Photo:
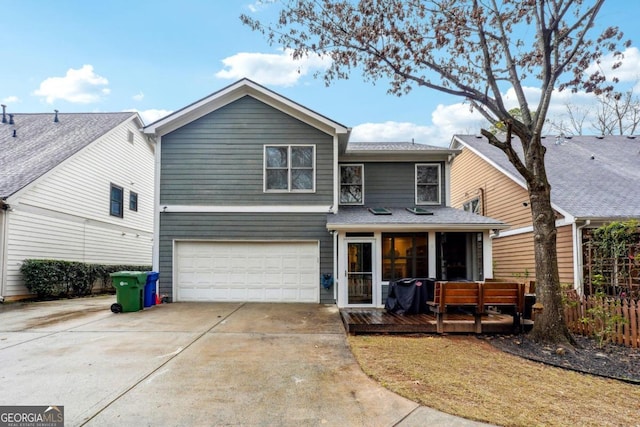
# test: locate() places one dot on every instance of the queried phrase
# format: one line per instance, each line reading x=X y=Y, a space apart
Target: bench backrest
x=457 y=293
x=503 y=294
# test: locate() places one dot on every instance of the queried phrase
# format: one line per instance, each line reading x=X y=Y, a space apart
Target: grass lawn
x=465 y=376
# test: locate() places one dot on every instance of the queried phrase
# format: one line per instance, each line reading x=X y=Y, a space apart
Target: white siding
x=65 y=214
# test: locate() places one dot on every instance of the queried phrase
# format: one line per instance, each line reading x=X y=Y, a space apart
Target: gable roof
x=591 y=177
x=41 y=144
x=236 y=91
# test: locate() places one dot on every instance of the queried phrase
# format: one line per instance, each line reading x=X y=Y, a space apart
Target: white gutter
x=335 y=265
x=3 y=247
x=155 y=256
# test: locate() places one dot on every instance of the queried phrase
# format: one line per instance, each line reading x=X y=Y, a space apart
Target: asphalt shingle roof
x=40 y=143
x=393 y=146
x=590 y=176
x=442 y=216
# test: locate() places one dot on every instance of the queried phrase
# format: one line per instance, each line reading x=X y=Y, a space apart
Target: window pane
x=351 y=174
x=427 y=193
x=351 y=194
x=116 y=201
x=428 y=174
x=133 y=201
x=302 y=157
x=276 y=157
x=421 y=268
x=301 y=179
x=277 y=179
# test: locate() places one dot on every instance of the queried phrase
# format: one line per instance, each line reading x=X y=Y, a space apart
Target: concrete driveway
x=192 y=364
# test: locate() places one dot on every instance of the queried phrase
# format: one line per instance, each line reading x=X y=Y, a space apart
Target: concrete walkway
x=192 y=364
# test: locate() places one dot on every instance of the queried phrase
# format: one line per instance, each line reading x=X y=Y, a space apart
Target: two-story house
x=261 y=199
x=73 y=187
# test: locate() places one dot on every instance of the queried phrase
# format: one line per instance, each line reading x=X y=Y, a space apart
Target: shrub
x=57 y=278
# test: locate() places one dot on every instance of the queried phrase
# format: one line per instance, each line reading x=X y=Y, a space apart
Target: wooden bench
x=503 y=294
x=456 y=294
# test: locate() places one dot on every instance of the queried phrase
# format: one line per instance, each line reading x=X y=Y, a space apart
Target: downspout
x=334 y=233
x=578 y=263
x=3 y=233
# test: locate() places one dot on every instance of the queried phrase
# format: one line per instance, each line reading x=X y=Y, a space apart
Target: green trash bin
x=129 y=290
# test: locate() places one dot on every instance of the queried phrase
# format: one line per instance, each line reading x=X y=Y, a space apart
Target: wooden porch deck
x=379 y=321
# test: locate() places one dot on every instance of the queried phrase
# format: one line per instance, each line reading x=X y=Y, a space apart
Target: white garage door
x=247 y=271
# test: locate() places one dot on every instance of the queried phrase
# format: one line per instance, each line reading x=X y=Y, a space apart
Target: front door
x=360 y=273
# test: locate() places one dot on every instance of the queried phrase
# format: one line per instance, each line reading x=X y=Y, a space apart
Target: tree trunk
x=550 y=325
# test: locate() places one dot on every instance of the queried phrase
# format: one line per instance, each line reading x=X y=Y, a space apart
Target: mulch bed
x=610 y=361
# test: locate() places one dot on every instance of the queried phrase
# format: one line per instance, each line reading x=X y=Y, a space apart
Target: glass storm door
x=360 y=273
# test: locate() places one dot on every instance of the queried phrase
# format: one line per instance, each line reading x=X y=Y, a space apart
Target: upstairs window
x=289 y=168
x=116 y=201
x=472 y=206
x=428 y=187
x=133 y=201
x=351 y=184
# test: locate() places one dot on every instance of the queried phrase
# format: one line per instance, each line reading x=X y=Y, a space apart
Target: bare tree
x=617 y=113
x=614 y=113
x=474 y=49
x=576 y=117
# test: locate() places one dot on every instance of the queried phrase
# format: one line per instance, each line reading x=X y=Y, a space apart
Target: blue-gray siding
x=393 y=184
x=218 y=159
x=245 y=227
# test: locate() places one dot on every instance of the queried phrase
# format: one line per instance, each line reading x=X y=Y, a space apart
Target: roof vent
x=55 y=118
x=599 y=136
x=15 y=133
x=380 y=211
x=631 y=136
x=419 y=211
x=11 y=119
x=4 y=113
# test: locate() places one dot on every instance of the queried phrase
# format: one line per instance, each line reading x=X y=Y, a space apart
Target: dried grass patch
x=467 y=377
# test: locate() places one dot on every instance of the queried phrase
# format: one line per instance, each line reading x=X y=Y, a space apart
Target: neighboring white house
x=75 y=187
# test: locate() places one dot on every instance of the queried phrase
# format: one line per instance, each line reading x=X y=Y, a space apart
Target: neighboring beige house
x=594 y=180
x=75 y=187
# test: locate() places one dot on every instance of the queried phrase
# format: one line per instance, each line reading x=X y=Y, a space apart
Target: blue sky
x=157 y=56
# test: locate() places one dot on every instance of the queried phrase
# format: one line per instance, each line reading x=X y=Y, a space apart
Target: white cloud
x=627 y=72
x=391 y=132
x=138 y=97
x=271 y=69
x=152 y=115
x=259 y=5
x=10 y=100
x=81 y=86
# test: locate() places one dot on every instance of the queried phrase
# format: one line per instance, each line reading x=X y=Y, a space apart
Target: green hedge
x=53 y=278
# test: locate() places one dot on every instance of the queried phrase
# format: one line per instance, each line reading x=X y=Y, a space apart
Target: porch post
x=433 y=255
x=487 y=254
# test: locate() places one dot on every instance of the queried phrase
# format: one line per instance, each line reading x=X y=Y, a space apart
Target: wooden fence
x=618 y=318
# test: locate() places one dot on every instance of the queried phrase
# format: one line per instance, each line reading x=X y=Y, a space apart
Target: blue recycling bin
x=150 y=289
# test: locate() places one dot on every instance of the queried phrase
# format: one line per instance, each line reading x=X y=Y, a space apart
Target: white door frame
x=376 y=291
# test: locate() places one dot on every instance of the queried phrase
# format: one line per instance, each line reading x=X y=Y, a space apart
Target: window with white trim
x=289 y=168
x=428 y=185
x=352 y=184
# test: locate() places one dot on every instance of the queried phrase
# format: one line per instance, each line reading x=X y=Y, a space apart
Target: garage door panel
x=247 y=271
